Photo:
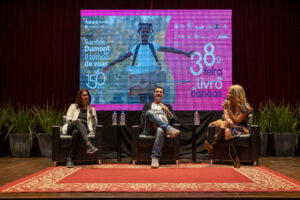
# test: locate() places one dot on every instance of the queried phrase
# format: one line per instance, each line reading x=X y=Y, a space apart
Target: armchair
x=247 y=146
x=142 y=146
x=61 y=145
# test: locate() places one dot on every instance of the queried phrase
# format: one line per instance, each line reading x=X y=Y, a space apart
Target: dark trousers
x=79 y=132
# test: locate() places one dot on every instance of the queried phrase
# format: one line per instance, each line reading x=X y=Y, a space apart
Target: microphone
x=161 y=105
x=87 y=106
x=225 y=102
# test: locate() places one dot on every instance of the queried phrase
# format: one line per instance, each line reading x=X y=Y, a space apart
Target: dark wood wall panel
x=39 y=54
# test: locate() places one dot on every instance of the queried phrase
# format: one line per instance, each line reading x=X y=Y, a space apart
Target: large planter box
x=264 y=144
x=45 y=144
x=298 y=140
x=282 y=144
x=4 y=145
x=20 y=145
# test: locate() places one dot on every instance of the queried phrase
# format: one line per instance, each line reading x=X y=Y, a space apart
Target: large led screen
x=124 y=54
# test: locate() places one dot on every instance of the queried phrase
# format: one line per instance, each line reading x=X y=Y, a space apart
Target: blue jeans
x=150 y=120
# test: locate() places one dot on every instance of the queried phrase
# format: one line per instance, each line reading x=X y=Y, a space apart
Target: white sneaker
x=155 y=163
x=172 y=132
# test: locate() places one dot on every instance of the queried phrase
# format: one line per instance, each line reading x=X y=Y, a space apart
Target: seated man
x=158 y=118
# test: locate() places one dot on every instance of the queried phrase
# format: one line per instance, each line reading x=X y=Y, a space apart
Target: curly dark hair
x=140 y=26
x=78 y=97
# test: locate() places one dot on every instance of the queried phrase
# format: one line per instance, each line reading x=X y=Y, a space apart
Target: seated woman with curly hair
x=81 y=119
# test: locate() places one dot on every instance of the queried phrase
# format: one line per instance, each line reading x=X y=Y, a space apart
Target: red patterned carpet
x=141 y=178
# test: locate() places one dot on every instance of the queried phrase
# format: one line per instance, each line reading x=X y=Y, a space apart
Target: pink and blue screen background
x=199 y=82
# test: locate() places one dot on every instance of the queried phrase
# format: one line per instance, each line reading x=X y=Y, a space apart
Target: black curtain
x=39 y=54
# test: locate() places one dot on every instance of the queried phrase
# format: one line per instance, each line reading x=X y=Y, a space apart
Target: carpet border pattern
x=264 y=180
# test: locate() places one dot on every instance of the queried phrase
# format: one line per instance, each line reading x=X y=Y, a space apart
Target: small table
x=193 y=126
x=119 y=139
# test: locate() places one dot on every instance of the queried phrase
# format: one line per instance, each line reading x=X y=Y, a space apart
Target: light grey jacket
x=72 y=114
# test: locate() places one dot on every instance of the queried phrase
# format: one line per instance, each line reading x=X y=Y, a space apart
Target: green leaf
x=47 y=116
x=277 y=117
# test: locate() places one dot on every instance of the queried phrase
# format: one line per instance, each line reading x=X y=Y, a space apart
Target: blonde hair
x=239 y=96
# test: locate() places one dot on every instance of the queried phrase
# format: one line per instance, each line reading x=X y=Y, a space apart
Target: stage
x=16 y=168
x=51 y=49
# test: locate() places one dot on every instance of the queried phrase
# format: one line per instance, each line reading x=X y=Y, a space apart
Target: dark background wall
x=39 y=54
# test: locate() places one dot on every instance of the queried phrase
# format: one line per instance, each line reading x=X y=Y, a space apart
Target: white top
x=156 y=108
x=72 y=114
x=145 y=56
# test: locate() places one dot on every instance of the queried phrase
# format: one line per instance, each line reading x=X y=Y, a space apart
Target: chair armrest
x=255 y=142
x=177 y=143
x=177 y=126
x=135 y=131
x=98 y=135
x=98 y=140
x=211 y=132
x=55 y=142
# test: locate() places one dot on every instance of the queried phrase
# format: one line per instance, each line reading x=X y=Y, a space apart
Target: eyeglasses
x=85 y=95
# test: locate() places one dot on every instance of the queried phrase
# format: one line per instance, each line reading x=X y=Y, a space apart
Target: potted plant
x=46 y=116
x=4 y=117
x=282 y=126
x=21 y=133
x=261 y=119
x=298 y=127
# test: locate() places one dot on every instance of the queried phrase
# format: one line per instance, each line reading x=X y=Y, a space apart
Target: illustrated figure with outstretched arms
x=146 y=74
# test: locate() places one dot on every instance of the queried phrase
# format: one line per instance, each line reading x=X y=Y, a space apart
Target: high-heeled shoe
x=236 y=162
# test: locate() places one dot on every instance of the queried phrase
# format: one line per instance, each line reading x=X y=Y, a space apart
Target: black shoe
x=70 y=163
x=92 y=150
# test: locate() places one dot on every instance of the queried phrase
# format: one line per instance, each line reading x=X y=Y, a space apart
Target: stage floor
x=14 y=168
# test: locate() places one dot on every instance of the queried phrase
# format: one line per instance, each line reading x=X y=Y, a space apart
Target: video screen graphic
x=124 y=54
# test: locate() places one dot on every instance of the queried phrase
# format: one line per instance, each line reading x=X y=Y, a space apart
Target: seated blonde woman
x=236 y=111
